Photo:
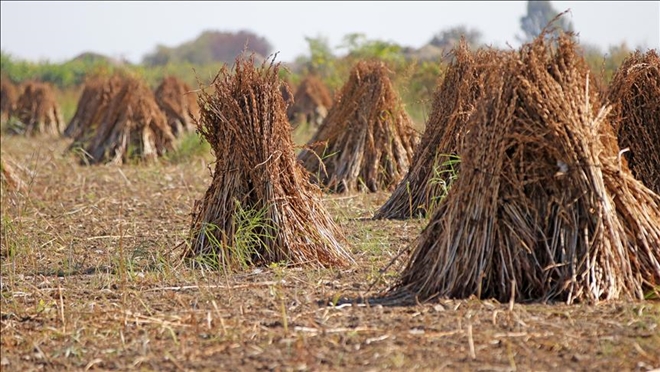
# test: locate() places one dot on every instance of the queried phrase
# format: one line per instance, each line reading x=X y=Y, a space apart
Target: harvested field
x=98 y=270
x=91 y=279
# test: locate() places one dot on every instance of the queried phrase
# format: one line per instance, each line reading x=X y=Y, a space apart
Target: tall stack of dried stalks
x=92 y=105
x=543 y=209
x=256 y=174
x=311 y=102
x=132 y=127
x=179 y=103
x=367 y=140
x=8 y=97
x=434 y=163
x=635 y=94
x=37 y=111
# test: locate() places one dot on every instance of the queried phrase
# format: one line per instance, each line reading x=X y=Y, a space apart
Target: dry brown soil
x=91 y=280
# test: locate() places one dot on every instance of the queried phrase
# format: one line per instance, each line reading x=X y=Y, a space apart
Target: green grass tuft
x=190 y=145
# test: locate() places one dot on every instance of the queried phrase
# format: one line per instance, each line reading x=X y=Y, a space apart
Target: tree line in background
x=415 y=71
x=209 y=47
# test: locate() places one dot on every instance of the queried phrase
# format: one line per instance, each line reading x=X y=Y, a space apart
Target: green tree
x=614 y=57
x=539 y=15
x=209 y=47
x=447 y=39
x=320 y=54
x=359 y=47
x=161 y=56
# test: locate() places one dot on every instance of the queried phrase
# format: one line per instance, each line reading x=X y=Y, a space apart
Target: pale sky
x=59 y=31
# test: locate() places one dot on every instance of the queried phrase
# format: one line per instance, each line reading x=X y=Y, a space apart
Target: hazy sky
x=61 y=30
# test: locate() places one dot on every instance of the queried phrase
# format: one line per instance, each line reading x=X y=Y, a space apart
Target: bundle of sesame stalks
x=310 y=102
x=179 y=103
x=9 y=94
x=635 y=96
x=37 y=111
x=92 y=105
x=260 y=207
x=366 y=143
x=435 y=163
x=131 y=128
x=543 y=209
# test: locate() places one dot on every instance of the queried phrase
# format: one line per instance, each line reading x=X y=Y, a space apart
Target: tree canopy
x=447 y=39
x=210 y=46
x=539 y=15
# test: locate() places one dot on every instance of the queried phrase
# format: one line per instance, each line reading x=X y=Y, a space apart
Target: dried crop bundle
x=367 y=141
x=544 y=209
x=179 y=103
x=92 y=105
x=435 y=163
x=635 y=94
x=37 y=111
x=132 y=127
x=260 y=206
x=8 y=97
x=311 y=102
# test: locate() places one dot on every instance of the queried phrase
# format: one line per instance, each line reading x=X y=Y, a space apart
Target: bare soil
x=91 y=279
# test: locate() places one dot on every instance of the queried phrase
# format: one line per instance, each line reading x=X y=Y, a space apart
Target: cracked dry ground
x=91 y=280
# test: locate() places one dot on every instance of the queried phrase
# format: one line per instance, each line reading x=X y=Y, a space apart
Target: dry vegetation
x=11 y=180
x=435 y=161
x=91 y=279
x=543 y=209
x=257 y=184
x=37 y=111
x=132 y=127
x=543 y=256
x=311 y=102
x=94 y=100
x=635 y=93
x=9 y=94
x=366 y=142
x=179 y=103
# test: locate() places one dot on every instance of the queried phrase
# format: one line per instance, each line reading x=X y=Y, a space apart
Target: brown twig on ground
x=10 y=178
